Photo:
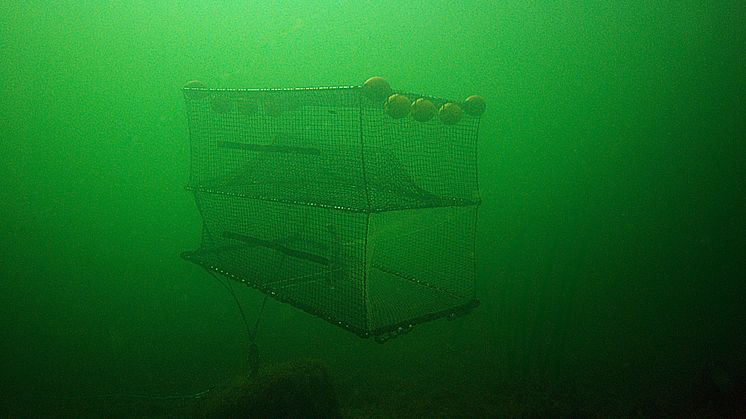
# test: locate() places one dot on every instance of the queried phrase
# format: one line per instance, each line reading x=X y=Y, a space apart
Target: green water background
x=611 y=235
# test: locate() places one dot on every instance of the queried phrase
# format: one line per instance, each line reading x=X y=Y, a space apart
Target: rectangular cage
x=320 y=199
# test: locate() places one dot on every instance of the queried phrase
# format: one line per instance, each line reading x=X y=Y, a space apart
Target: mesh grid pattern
x=321 y=200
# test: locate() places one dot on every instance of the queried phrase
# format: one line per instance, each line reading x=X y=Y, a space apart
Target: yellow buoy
x=376 y=89
x=423 y=110
x=397 y=106
x=221 y=103
x=196 y=89
x=450 y=113
x=474 y=105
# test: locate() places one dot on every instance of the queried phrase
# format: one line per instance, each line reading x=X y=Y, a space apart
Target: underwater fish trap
x=355 y=204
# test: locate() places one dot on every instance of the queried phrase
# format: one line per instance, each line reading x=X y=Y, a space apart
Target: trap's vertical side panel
x=420 y=265
x=289 y=145
x=278 y=181
x=413 y=164
x=310 y=257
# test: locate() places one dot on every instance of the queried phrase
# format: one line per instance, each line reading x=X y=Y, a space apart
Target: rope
x=238 y=304
x=253 y=353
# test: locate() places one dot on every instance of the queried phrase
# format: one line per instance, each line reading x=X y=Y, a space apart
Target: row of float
x=398 y=106
x=376 y=89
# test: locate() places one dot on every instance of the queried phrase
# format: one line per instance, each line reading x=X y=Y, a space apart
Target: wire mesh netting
x=320 y=199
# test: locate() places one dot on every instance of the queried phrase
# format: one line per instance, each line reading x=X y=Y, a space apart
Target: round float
x=474 y=105
x=397 y=106
x=196 y=89
x=422 y=110
x=376 y=89
x=449 y=113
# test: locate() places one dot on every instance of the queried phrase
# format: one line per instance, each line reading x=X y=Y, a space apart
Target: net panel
x=311 y=257
x=419 y=262
x=278 y=145
x=438 y=160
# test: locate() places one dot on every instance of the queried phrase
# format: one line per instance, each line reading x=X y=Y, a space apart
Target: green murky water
x=610 y=237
